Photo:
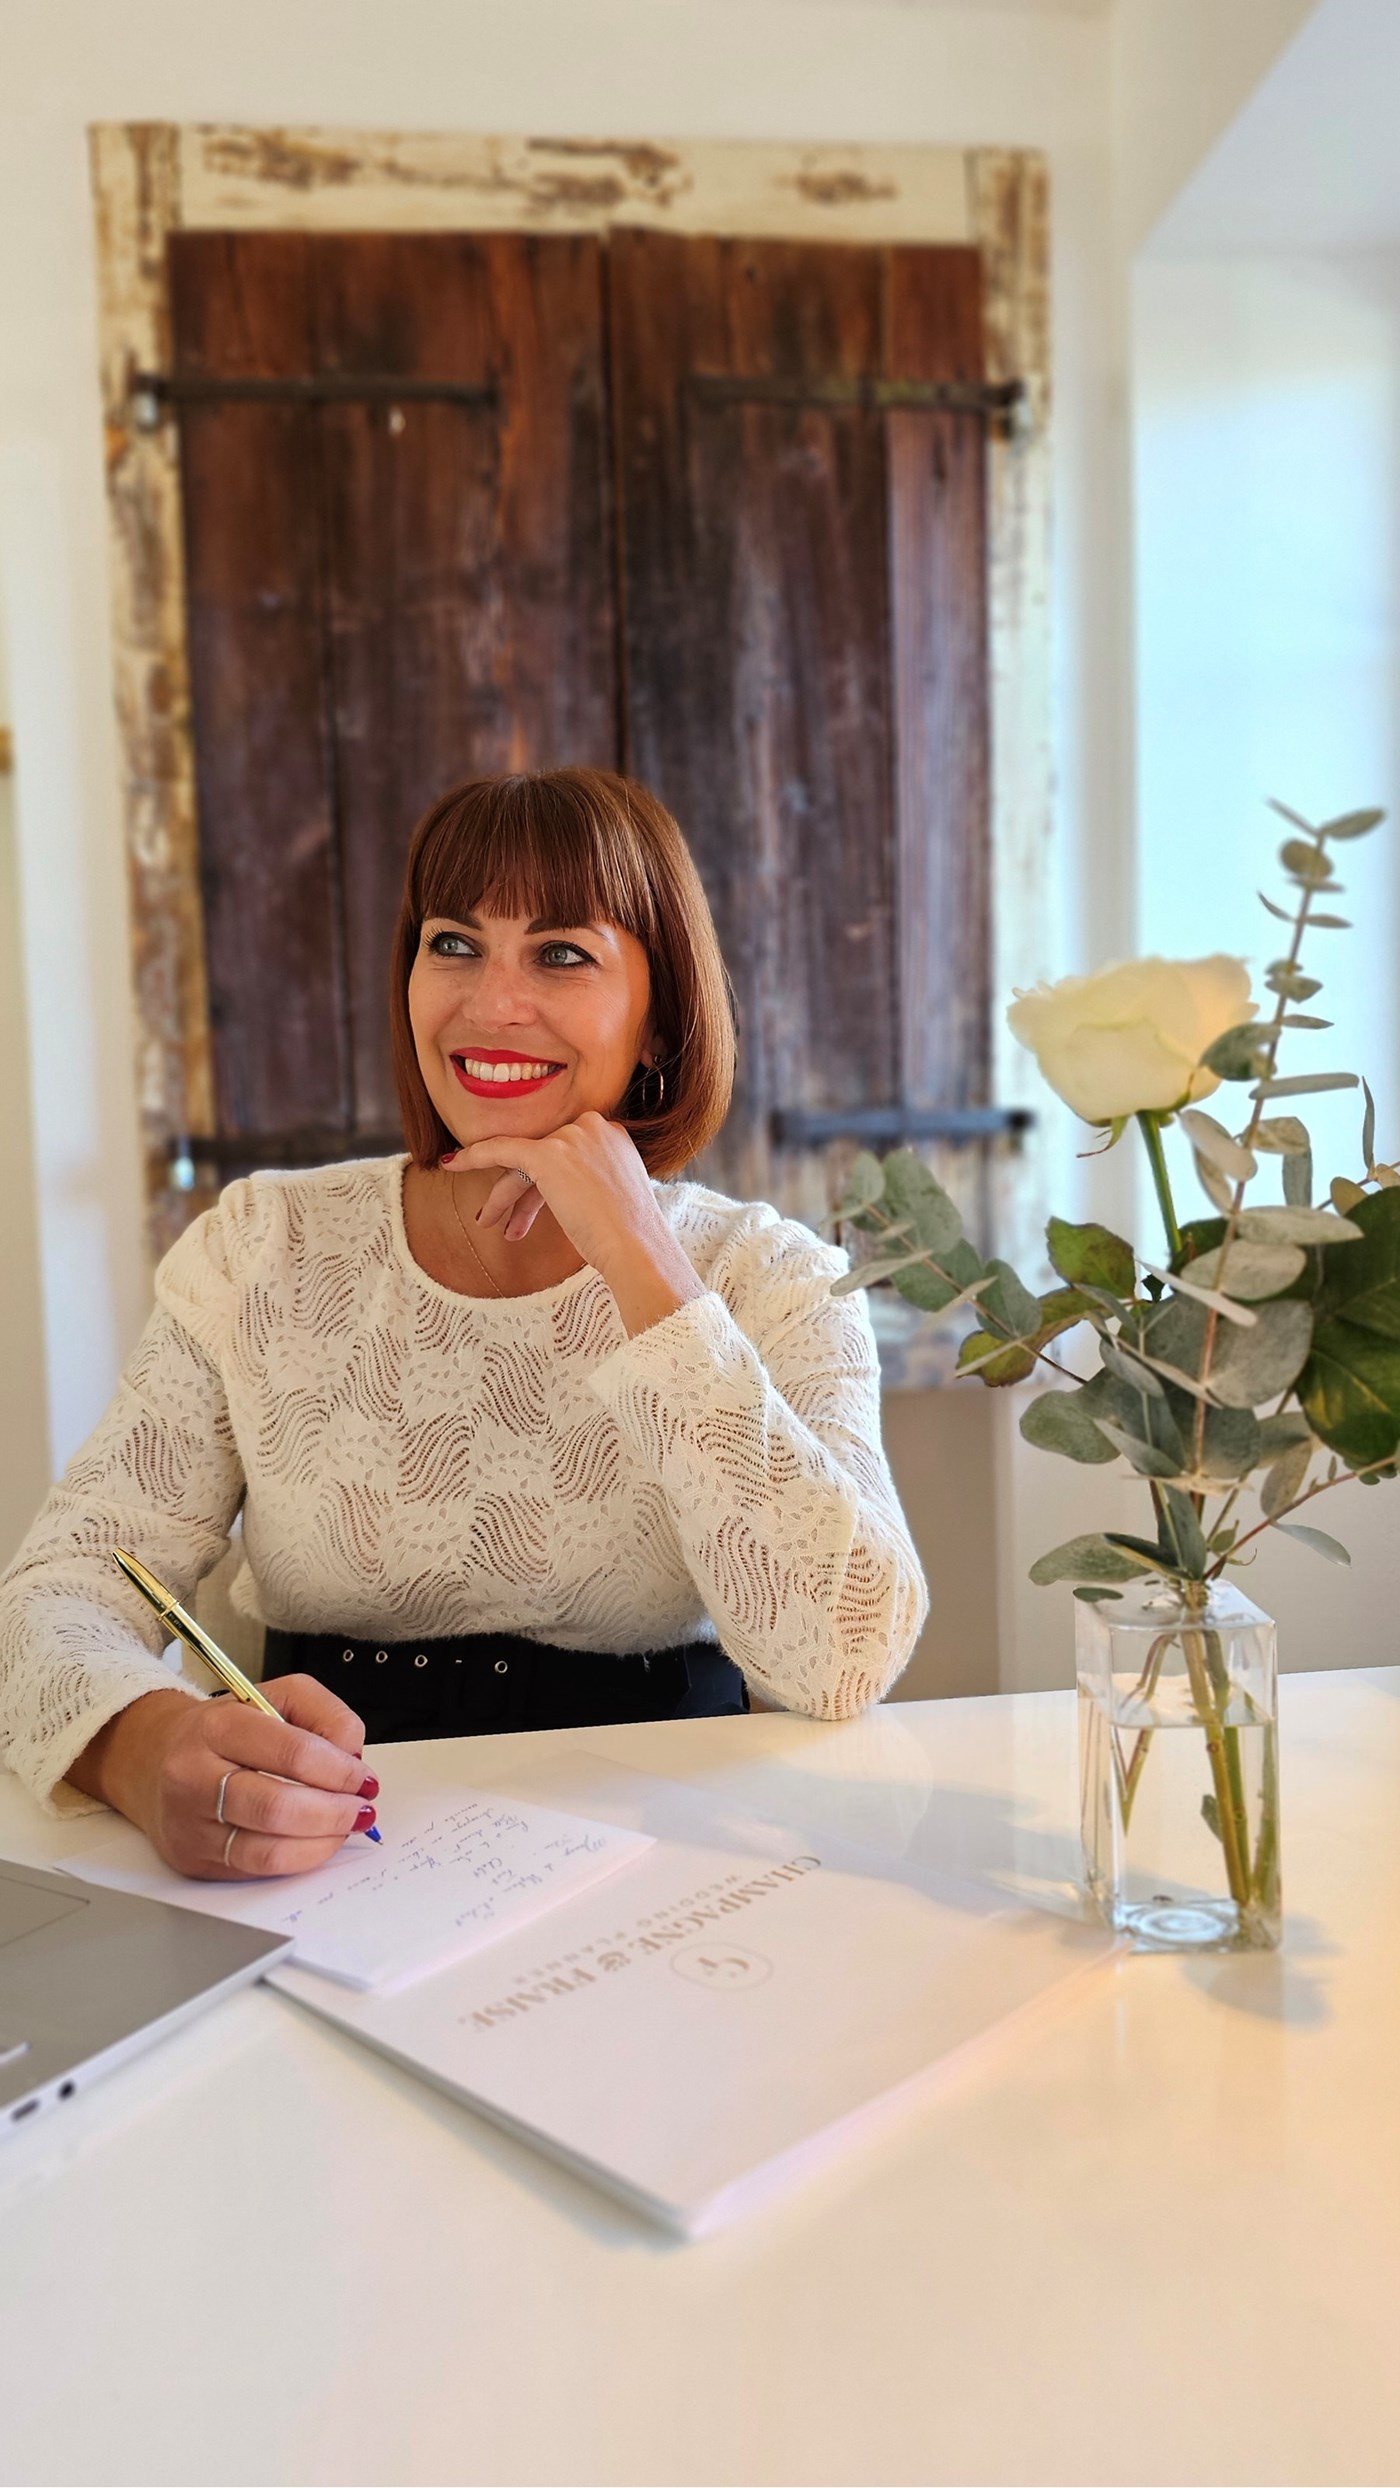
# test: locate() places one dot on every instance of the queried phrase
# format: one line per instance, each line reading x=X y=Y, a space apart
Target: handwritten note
x=449 y=1877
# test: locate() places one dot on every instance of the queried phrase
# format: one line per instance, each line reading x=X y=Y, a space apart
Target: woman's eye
x=569 y=946
x=450 y=945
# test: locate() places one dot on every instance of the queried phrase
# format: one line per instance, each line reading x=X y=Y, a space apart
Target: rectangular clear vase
x=1178 y=1752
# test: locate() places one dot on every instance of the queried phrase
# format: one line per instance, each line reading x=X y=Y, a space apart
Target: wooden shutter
x=805 y=656
x=671 y=503
x=398 y=576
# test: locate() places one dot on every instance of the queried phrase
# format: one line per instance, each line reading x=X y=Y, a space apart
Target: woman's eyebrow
x=537 y=924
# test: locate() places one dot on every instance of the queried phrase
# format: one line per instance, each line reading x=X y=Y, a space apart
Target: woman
x=523 y=1434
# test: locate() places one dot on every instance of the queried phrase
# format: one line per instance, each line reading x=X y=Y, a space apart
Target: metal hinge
x=1004 y=405
x=794 y=1128
x=154 y=395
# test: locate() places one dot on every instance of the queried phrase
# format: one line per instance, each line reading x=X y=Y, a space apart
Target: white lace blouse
x=412 y=1462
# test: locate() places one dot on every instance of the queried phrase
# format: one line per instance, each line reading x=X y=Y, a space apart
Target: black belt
x=491 y=1684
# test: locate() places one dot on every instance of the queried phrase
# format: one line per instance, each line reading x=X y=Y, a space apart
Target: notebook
x=455 y=1869
x=746 y=2001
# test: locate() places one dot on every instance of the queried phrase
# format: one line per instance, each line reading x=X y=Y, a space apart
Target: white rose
x=1129 y=1040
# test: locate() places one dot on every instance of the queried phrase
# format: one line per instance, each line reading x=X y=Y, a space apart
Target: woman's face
x=522 y=1025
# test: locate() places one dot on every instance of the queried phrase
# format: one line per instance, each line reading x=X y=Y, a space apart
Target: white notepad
x=455 y=1869
x=743 y=2003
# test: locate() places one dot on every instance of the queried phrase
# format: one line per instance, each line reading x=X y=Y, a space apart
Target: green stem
x=1151 y=1125
x=1236 y=1864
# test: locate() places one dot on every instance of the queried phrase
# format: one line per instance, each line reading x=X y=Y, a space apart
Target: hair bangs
x=534 y=847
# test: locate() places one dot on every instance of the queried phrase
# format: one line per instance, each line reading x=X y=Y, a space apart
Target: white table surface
x=1159 y=2242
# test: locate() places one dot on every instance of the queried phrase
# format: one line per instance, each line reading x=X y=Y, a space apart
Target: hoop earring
x=644 y=1102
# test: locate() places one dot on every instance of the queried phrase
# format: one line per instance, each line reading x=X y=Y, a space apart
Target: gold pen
x=194 y=1637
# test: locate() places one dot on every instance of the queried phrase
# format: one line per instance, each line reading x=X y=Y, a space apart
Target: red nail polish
x=369 y=1786
x=364 y=1818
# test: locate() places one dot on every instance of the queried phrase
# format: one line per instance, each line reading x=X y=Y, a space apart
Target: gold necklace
x=466 y=1239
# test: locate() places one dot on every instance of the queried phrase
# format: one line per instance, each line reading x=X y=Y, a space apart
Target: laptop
x=89 y=1977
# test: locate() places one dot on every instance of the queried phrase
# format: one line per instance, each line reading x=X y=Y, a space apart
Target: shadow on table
x=1281 y=1986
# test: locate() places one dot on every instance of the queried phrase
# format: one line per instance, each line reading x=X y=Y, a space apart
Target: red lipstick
x=501 y=1088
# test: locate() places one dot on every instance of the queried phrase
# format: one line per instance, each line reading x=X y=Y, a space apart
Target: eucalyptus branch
x=1343 y=1477
x=1271 y=1033
x=986 y=1316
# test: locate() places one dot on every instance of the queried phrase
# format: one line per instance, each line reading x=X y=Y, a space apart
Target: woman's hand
x=161 y=1760
x=590 y=1176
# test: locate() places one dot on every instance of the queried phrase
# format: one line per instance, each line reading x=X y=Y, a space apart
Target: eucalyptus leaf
x=1279 y=1433
x=1086 y=1559
x=1283 y=1483
x=1305 y=862
x=1368 y=1128
x=1091 y=1253
x=1345 y=1194
x=1281 y=912
x=1351 y=825
x=913 y=1192
x=1214 y=1185
x=993 y=1361
x=1298 y=1179
x=868 y=1273
x=932 y=1285
x=1296 y=1226
x=1350 y=1386
x=1285 y=814
x=1183 y=1530
x=1144 y=1457
x=1331 y=1549
x=1283 y=1135
x=1194 y=1286
x=1058 y=1421
x=1241 y=1053
x=1305 y=1084
x=1210 y=1813
x=1230 y=1442
x=1009 y=1304
x=1329 y=924
x=1210 y=1140
x=1251 y=1270
x=865 y=1185
x=1132 y=1370
x=1093 y=1597
x=1253 y=1365
x=1303 y=1019
x=1290 y=983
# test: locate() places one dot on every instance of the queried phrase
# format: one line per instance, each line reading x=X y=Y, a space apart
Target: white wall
x=24 y=1447
x=1268 y=497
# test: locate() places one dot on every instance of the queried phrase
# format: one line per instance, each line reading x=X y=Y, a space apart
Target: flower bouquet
x=1245 y=1371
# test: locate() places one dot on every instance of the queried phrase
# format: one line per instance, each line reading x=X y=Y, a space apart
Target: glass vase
x=1178 y=1755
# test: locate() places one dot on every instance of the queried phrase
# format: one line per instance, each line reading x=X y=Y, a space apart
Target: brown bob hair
x=582 y=847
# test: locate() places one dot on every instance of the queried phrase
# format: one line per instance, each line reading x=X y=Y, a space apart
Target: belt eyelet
x=347 y=1656
x=421 y=1659
x=379 y=1657
x=502 y=1666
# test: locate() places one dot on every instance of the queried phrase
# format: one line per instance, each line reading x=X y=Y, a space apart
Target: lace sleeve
x=766 y=1439
x=160 y=1475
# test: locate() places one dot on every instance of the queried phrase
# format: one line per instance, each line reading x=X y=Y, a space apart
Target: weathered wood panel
x=242 y=308
x=136 y=186
x=467 y=551
x=757 y=654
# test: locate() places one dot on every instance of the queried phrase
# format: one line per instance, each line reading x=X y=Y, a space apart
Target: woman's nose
x=500 y=997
